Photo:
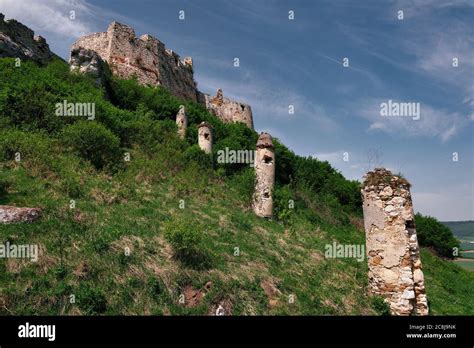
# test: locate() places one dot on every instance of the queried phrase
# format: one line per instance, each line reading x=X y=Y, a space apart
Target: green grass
x=448 y=286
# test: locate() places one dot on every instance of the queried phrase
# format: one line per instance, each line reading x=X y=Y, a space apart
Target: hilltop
x=136 y=220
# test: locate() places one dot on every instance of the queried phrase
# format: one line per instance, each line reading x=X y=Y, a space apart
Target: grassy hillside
x=170 y=223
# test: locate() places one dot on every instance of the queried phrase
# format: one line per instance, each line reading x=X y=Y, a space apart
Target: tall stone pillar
x=182 y=122
x=395 y=270
x=205 y=137
x=265 y=176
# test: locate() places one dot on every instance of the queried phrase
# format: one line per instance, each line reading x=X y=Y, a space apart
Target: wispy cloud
x=432 y=122
x=267 y=102
x=52 y=16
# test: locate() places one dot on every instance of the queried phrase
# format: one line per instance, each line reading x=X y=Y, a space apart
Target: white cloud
x=51 y=16
x=432 y=122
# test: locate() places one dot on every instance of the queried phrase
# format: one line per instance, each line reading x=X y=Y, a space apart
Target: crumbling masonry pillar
x=265 y=176
x=182 y=122
x=395 y=270
x=205 y=137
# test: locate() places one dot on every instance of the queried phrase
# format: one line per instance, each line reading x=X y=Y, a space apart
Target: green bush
x=432 y=233
x=283 y=202
x=30 y=146
x=196 y=155
x=186 y=239
x=93 y=142
x=4 y=185
x=380 y=306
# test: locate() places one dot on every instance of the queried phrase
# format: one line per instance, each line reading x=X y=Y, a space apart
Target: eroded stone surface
x=205 y=137
x=144 y=57
x=264 y=176
x=395 y=269
x=227 y=110
x=87 y=62
x=9 y=214
x=18 y=41
x=182 y=122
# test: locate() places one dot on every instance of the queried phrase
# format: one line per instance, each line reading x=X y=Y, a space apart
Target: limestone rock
x=9 y=214
x=18 y=41
x=87 y=62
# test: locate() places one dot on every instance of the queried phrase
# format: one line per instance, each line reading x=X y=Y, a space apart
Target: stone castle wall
x=145 y=57
x=395 y=270
x=227 y=110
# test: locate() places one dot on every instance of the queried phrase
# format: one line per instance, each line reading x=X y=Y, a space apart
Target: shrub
x=186 y=239
x=380 y=306
x=432 y=233
x=282 y=198
x=196 y=155
x=4 y=185
x=29 y=145
x=93 y=142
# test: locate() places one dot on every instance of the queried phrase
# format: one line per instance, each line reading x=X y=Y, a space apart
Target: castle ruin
x=147 y=59
x=205 y=137
x=265 y=176
x=395 y=270
x=227 y=110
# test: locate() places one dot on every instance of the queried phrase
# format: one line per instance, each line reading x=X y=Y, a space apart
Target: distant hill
x=461 y=229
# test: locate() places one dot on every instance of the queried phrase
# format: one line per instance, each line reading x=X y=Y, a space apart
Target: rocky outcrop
x=227 y=110
x=88 y=62
x=9 y=214
x=395 y=270
x=18 y=41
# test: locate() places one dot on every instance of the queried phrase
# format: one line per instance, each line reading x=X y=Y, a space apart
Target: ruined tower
x=205 y=137
x=395 y=270
x=227 y=110
x=182 y=122
x=265 y=176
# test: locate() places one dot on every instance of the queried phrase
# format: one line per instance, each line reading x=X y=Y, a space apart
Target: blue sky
x=299 y=62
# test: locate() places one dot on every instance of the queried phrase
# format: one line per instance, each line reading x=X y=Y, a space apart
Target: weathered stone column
x=205 y=137
x=182 y=122
x=395 y=270
x=265 y=176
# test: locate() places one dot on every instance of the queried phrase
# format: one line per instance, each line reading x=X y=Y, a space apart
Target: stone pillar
x=395 y=270
x=265 y=176
x=182 y=122
x=205 y=137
